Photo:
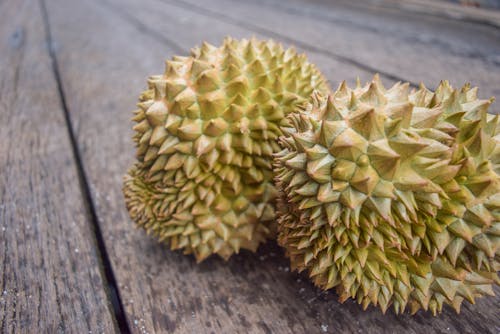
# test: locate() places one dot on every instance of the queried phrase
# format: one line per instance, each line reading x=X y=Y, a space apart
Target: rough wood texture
x=105 y=50
x=485 y=14
x=51 y=280
x=402 y=46
x=159 y=19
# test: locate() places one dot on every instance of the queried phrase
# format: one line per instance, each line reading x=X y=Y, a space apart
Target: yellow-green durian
x=393 y=197
x=206 y=131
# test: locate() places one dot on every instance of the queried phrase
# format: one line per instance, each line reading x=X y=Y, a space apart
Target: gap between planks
x=109 y=276
x=264 y=31
x=323 y=17
x=307 y=46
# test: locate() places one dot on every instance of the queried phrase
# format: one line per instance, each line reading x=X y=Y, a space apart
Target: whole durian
x=393 y=197
x=206 y=131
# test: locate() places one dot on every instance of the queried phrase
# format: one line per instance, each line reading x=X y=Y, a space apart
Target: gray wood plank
x=405 y=46
x=483 y=14
x=182 y=29
x=117 y=45
x=51 y=280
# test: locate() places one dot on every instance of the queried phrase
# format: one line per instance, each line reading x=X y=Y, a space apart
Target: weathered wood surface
x=400 y=45
x=483 y=13
x=51 y=280
x=106 y=49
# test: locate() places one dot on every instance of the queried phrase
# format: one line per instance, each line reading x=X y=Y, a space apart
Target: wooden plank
x=51 y=280
x=448 y=9
x=405 y=46
x=161 y=19
x=164 y=291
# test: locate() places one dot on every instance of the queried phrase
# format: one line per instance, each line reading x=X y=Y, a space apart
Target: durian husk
x=392 y=197
x=205 y=134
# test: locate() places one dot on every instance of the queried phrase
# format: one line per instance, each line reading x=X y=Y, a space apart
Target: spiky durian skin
x=206 y=132
x=392 y=197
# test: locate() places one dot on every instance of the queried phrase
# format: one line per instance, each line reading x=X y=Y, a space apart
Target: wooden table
x=70 y=72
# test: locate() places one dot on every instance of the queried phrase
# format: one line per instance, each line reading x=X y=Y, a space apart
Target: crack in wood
x=273 y=34
x=109 y=277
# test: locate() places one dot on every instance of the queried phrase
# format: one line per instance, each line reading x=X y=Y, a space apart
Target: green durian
x=206 y=131
x=393 y=197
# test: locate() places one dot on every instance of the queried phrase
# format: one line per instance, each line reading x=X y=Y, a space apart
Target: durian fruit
x=393 y=197
x=206 y=131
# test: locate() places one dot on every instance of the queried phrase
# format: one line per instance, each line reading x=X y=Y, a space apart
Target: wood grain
x=105 y=52
x=160 y=19
x=485 y=14
x=51 y=280
x=404 y=46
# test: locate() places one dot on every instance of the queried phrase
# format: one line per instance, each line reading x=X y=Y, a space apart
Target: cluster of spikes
x=206 y=132
x=392 y=196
